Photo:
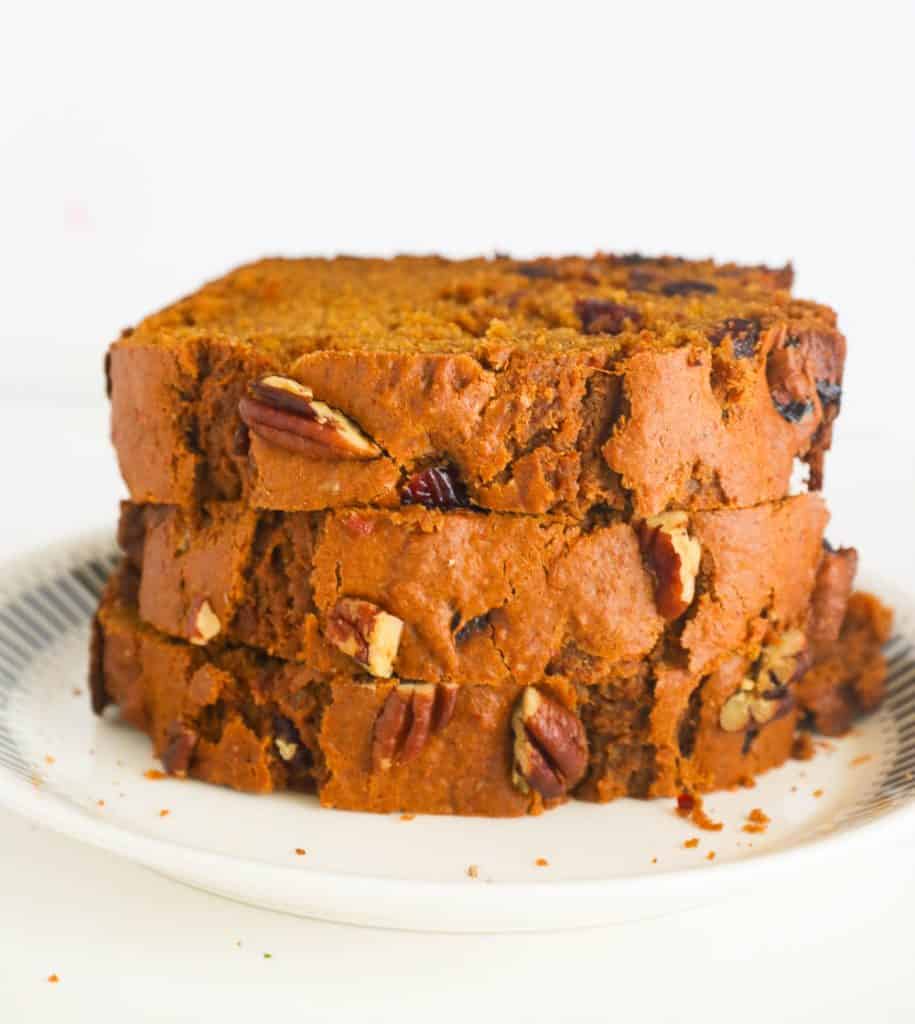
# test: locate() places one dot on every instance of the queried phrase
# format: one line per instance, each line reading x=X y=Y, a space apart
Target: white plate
x=84 y=777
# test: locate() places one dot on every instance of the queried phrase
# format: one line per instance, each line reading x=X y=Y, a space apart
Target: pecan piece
x=764 y=695
x=674 y=558
x=203 y=623
x=365 y=632
x=286 y=413
x=834 y=580
x=411 y=713
x=289 y=744
x=181 y=742
x=550 y=747
x=435 y=487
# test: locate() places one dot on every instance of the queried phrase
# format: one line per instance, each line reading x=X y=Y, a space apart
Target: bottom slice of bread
x=237 y=717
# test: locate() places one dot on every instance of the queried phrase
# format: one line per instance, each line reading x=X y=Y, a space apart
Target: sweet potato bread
x=242 y=719
x=473 y=597
x=551 y=386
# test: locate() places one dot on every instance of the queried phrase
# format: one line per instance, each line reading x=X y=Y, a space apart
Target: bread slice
x=463 y=597
x=549 y=386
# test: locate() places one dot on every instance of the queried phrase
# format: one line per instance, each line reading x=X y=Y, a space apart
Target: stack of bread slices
x=478 y=537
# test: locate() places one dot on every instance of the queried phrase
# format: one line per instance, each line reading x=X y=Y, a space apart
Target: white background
x=146 y=148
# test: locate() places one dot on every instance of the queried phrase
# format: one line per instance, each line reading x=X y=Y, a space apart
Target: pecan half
x=203 y=622
x=550 y=747
x=286 y=413
x=365 y=632
x=764 y=694
x=411 y=714
x=674 y=558
x=181 y=742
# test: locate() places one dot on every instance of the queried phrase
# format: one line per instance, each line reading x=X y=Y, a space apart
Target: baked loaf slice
x=552 y=386
x=243 y=719
x=464 y=597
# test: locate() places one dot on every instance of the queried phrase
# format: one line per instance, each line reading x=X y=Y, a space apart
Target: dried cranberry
x=471 y=627
x=829 y=393
x=603 y=316
x=793 y=411
x=688 y=287
x=537 y=271
x=685 y=803
x=435 y=487
x=641 y=280
x=744 y=335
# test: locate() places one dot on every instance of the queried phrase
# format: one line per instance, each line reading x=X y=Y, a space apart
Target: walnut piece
x=763 y=694
x=286 y=413
x=674 y=559
x=204 y=623
x=365 y=632
x=411 y=714
x=550 y=747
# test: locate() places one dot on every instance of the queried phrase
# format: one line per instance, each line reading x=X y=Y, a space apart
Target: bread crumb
x=53 y=979
x=710 y=855
x=818 y=793
x=690 y=844
x=542 y=862
x=473 y=871
x=654 y=860
x=802 y=748
x=101 y=803
x=825 y=745
x=77 y=692
x=153 y=774
x=48 y=759
x=691 y=806
x=407 y=817
x=164 y=812
x=757 y=821
x=862 y=759
x=299 y=852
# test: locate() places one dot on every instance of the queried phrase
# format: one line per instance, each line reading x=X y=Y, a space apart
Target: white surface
x=581 y=865
x=139 y=155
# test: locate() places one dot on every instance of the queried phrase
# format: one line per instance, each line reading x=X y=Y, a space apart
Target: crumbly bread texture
x=542 y=386
x=237 y=717
x=477 y=598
